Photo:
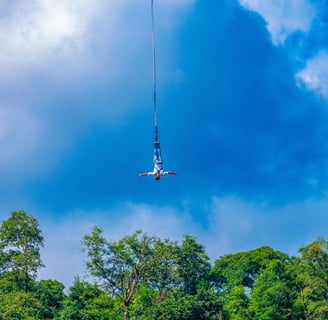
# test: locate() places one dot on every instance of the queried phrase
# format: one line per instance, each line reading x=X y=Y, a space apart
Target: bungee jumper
x=158 y=171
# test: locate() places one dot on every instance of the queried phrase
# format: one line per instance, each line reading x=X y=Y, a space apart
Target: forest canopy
x=142 y=276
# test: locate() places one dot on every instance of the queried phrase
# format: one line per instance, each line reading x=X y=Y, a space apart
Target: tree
x=235 y=276
x=19 y=306
x=20 y=243
x=178 y=305
x=161 y=269
x=242 y=268
x=176 y=283
x=192 y=264
x=274 y=294
x=313 y=279
x=119 y=266
x=50 y=294
x=236 y=303
x=87 y=301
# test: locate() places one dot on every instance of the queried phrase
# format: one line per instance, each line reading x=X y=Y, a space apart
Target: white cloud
x=36 y=32
x=283 y=17
x=41 y=33
x=79 y=44
x=315 y=74
x=52 y=41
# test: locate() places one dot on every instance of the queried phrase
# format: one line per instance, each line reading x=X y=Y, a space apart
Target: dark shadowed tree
x=50 y=294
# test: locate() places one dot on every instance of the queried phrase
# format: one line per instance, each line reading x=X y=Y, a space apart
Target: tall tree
x=120 y=266
x=193 y=264
x=161 y=270
x=313 y=279
x=21 y=240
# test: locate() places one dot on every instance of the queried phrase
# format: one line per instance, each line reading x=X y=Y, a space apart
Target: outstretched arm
x=168 y=172
x=145 y=174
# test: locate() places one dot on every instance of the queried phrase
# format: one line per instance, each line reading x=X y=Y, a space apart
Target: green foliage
x=16 y=280
x=254 y=284
x=138 y=261
x=50 y=293
x=19 y=305
x=178 y=306
x=87 y=301
x=242 y=268
x=313 y=279
x=145 y=278
x=192 y=264
x=119 y=266
x=236 y=303
x=161 y=269
x=21 y=297
x=272 y=295
x=20 y=243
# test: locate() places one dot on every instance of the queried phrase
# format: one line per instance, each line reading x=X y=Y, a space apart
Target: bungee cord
x=154 y=69
x=158 y=171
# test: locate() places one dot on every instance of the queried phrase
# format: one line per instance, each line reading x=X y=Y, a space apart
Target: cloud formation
x=300 y=27
x=283 y=17
x=38 y=34
x=315 y=74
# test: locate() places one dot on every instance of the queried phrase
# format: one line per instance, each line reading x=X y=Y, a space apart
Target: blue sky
x=242 y=111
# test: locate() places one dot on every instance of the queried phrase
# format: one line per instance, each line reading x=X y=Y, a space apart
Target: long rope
x=154 y=70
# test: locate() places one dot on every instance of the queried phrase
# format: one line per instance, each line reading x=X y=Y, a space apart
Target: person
x=158 y=171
